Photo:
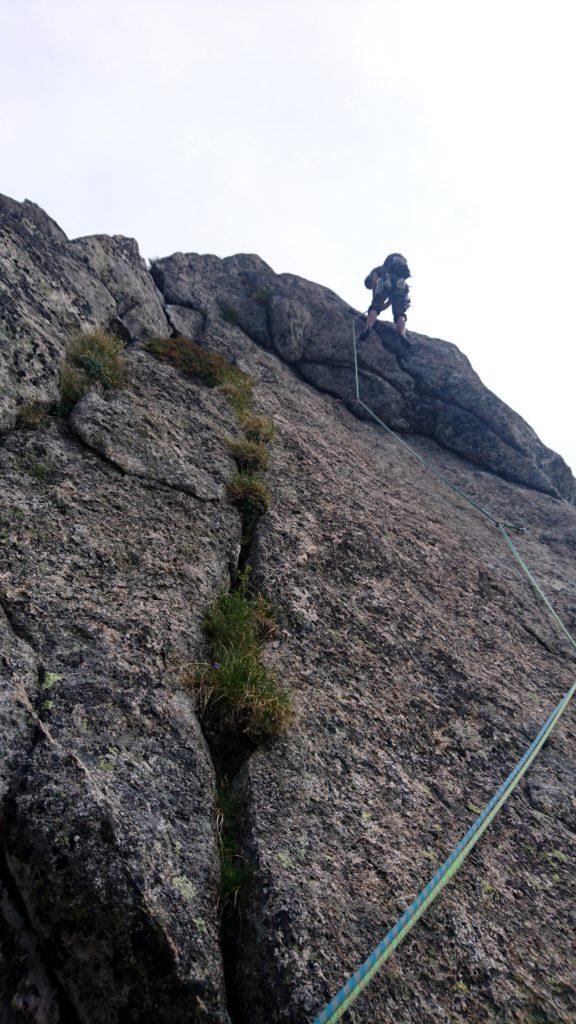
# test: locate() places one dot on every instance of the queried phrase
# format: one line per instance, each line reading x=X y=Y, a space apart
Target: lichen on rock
x=418 y=660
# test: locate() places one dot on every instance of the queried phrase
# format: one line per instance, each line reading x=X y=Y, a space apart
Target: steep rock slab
x=426 y=387
x=51 y=287
x=109 y=830
x=422 y=667
x=158 y=429
x=416 y=684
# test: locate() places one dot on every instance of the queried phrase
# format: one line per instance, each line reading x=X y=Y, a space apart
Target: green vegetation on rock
x=92 y=357
x=100 y=356
x=31 y=416
x=259 y=429
x=234 y=869
x=210 y=368
x=236 y=689
x=250 y=456
x=73 y=384
x=252 y=498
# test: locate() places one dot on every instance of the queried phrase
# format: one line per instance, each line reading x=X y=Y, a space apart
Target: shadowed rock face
x=419 y=662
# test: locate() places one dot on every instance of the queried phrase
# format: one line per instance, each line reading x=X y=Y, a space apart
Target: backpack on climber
x=389 y=287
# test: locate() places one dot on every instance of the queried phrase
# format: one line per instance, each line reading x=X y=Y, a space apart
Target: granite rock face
x=423 y=668
x=425 y=386
x=51 y=287
x=112 y=548
x=418 y=658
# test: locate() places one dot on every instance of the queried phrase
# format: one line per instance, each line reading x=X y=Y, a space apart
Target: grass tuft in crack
x=258 y=429
x=252 y=499
x=92 y=357
x=249 y=494
x=250 y=456
x=236 y=690
x=234 y=869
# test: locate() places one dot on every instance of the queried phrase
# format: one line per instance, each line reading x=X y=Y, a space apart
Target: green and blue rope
x=361 y=978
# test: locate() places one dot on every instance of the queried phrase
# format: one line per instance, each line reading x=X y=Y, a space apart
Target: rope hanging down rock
x=361 y=977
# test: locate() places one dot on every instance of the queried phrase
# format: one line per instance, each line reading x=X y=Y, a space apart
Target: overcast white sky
x=323 y=135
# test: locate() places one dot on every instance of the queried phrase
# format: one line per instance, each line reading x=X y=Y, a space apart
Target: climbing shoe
x=365 y=334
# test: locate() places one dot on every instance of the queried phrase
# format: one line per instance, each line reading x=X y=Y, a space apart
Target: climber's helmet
x=396 y=264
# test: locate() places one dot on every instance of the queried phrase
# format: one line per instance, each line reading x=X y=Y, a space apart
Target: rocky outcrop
x=425 y=387
x=419 y=663
x=50 y=287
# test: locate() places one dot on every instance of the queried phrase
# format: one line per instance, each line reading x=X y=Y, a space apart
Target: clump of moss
x=31 y=416
x=92 y=357
x=259 y=429
x=236 y=688
x=210 y=368
x=250 y=456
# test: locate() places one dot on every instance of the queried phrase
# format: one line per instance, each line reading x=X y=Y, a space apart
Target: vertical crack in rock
x=230 y=749
x=229 y=752
x=123 y=935
x=408 y=710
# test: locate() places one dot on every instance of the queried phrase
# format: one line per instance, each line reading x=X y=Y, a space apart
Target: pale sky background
x=322 y=136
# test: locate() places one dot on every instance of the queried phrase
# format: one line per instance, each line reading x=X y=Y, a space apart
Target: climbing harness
x=360 y=979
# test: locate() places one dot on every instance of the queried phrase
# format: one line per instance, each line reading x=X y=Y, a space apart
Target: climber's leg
x=400 y=324
x=372 y=316
x=400 y=303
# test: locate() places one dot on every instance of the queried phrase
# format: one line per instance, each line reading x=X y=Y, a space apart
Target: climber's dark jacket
x=386 y=285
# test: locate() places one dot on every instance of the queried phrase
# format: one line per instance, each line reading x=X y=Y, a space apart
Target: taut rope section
x=360 y=979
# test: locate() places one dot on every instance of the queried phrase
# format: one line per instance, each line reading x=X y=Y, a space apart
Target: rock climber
x=389 y=287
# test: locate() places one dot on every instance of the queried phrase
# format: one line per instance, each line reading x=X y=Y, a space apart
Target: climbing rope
x=420 y=458
x=361 y=978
